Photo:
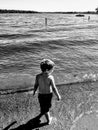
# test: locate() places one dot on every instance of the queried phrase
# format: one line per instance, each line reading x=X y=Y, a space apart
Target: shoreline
x=29 y=87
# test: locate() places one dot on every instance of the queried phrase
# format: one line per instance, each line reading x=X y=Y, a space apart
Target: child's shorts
x=45 y=102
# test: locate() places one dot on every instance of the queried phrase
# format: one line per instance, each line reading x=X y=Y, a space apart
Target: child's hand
x=59 y=98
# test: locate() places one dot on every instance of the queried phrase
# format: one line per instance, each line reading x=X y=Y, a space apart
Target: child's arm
x=55 y=90
x=35 y=85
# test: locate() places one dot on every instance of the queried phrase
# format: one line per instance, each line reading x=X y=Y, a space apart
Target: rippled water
x=70 y=41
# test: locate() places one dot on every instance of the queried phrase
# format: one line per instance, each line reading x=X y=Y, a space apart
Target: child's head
x=46 y=65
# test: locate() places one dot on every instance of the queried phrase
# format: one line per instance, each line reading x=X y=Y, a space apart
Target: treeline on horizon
x=30 y=11
x=16 y=11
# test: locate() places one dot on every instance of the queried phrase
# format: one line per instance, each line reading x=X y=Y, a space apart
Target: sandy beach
x=77 y=109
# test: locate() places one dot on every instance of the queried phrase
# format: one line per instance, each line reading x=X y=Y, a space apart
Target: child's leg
x=48 y=117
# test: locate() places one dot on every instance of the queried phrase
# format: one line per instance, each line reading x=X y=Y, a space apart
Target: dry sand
x=77 y=109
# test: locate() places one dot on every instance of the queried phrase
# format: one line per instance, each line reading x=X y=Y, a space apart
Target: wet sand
x=79 y=103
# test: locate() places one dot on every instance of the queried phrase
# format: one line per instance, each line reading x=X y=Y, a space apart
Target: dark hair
x=46 y=65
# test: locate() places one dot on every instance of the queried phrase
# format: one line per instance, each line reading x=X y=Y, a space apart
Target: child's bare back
x=44 y=81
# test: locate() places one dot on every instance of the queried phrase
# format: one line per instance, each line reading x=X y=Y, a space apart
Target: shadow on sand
x=30 y=125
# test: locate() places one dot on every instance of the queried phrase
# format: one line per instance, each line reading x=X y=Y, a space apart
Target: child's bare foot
x=49 y=121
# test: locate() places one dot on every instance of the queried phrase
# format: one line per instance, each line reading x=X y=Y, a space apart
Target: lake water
x=70 y=41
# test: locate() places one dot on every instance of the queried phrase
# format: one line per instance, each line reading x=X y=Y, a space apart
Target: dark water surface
x=71 y=42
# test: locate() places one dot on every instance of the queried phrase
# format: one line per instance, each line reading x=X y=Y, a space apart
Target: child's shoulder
x=38 y=75
x=42 y=75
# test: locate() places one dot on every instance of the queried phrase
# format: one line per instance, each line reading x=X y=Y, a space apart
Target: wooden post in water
x=88 y=18
x=45 y=22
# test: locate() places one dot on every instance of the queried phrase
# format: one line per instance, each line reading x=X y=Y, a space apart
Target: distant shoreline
x=30 y=11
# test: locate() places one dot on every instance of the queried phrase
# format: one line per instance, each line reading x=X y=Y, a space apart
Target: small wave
x=83 y=79
x=12 y=91
x=7 y=50
x=15 y=83
x=16 y=36
x=68 y=43
x=51 y=29
x=40 y=46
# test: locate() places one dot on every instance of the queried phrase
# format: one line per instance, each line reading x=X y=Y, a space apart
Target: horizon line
x=33 y=11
